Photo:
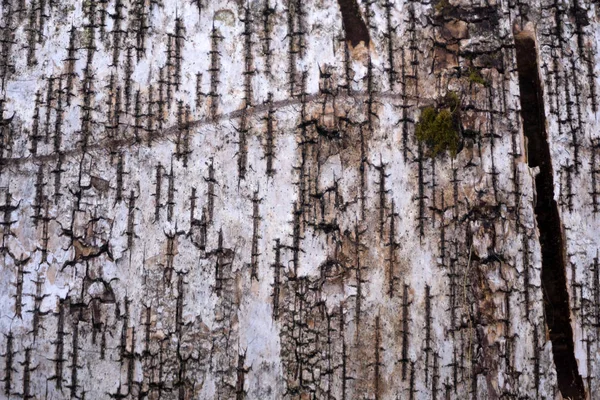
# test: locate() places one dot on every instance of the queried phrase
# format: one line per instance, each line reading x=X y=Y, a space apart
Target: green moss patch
x=475 y=77
x=438 y=127
x=441 y=6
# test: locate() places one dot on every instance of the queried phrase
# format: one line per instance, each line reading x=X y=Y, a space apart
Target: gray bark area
x=226 y=199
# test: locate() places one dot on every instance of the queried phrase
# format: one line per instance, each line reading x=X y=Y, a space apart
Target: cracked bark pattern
x=225 y=199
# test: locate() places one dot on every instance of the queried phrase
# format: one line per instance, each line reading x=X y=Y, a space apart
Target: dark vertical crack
x=556 y=296
x=354 y=26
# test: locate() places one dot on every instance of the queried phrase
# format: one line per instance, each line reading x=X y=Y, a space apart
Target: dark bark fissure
x=554 y=285
x=354 y=26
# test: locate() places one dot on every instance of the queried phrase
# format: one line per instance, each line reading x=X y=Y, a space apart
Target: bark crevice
x=554 y=281
x=354 y=26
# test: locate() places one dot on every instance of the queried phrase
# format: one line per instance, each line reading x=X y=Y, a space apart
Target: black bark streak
x=256 y=218
x=405 y=331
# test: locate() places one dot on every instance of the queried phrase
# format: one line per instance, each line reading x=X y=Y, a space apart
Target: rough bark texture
x=226 y=199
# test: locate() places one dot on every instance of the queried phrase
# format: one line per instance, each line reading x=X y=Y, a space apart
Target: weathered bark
x=218 y=199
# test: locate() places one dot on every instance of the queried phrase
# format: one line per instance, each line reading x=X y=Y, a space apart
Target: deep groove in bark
x=554 y=285
x=354 y=26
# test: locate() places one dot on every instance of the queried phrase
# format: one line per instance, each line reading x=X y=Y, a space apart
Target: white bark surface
x=149 y=251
